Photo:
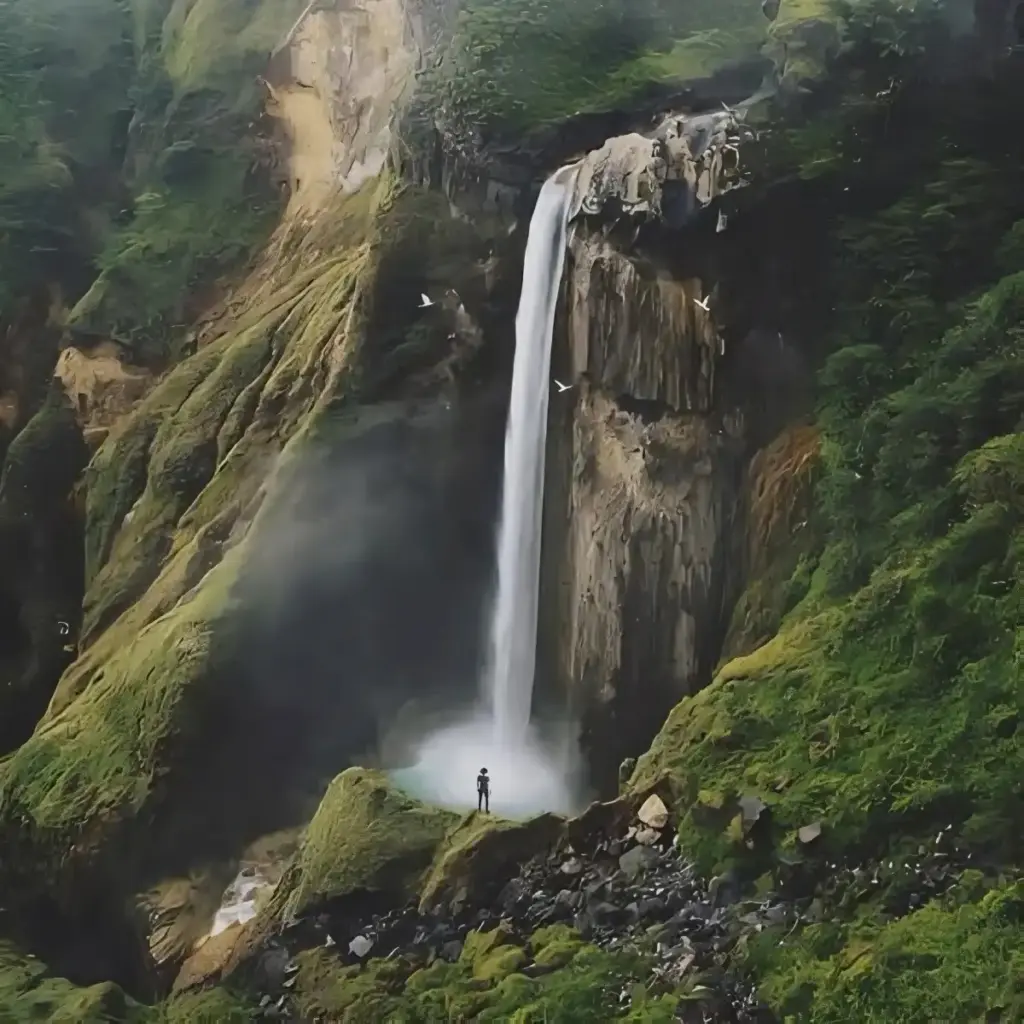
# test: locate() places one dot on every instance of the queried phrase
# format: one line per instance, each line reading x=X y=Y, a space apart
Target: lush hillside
x=872 y=682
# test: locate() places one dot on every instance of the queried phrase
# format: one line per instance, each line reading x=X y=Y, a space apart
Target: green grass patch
x=961 y=958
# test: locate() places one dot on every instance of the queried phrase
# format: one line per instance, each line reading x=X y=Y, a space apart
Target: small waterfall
x=513 y=642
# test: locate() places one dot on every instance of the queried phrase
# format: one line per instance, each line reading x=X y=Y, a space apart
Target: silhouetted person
x=483 y=792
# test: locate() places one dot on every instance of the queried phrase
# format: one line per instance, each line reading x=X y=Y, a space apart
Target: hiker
x=483 y=792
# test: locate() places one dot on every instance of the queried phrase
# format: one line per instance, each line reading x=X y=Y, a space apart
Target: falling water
x=529 y=773
x=513 y=649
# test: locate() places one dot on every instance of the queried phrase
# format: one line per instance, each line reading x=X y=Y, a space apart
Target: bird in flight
x=562 y=387
x=426 y=302
x=703 y=303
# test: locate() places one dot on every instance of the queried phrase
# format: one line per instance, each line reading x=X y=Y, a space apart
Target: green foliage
x=178 y=241
x=899 y=652
x=30 y=993
x=517 y=64
x=154 y=216
x=201 y=197
x=902 y=658
x=484 y=985
x=959 y=958
x=51 y=56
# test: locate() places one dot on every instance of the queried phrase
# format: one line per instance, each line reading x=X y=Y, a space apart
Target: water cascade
x=509 y=679
x=527 y=775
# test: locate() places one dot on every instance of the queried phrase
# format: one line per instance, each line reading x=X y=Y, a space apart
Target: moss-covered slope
x=31 y=993
x=366 y=838
x=874 y=680
x=568 y=981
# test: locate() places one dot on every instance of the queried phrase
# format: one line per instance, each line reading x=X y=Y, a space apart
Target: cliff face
x=252 y=510
x=338 y=83
x=286 y=528
x=647 y=455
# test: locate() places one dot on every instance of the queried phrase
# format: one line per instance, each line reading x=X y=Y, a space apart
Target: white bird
x=563 y=387
x=703 y=303
x=426 y=302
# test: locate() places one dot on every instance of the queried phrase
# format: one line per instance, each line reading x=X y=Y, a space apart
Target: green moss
x=500 y=964
x=365 y=837
x=86 y=776
x=483 y=986
x=28 y=992
x=355 y=995
x=480 y=849
x=525 y=63
x=217 y=1006
x=206 y=41
x=959 y=958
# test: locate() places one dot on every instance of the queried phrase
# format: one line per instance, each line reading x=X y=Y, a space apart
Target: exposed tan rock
x=653 y=813
x=337 y=85
x=701 y=152
x=649 y=507
x=208 y=960
x=178 y=912
x=100 y=386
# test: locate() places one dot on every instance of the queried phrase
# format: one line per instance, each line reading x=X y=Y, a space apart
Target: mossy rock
x=367 y=837
x=804 y=37
x=481 y=854
x=84 y=783
x=485 y=986
x=556 y=945
x=28 y=992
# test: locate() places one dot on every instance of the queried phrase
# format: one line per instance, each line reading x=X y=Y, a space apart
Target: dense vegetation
x=140 y=199
x=517 y=64
x=887 y=704
x=886 y=701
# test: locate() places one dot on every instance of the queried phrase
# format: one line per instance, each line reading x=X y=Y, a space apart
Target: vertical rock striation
x=646 y=459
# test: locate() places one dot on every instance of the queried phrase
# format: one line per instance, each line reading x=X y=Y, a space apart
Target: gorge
x=286 y=557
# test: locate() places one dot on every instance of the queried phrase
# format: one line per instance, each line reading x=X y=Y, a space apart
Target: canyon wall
x=646 y=452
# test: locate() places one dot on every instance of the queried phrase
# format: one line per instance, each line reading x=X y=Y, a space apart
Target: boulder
x=635 y=862
x=641 y=174
x=653 y=813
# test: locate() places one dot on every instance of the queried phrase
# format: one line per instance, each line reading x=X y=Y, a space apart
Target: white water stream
x=513 y=651
x=527 y=774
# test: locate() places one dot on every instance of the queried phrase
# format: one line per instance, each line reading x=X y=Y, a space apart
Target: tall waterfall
x=513 y=642
x=529 y=772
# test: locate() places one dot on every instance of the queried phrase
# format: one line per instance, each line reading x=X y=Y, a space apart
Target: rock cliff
x=249 y=486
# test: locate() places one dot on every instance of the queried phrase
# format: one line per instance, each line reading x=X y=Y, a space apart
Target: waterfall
x=513 y=641
x=529 y=773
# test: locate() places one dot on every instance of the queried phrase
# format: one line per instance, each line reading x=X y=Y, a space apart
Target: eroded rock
x=698 y=154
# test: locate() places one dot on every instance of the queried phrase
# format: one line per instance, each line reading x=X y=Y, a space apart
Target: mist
x=365 y=589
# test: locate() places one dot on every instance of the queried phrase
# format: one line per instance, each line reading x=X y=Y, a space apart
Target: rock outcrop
x=646 y=460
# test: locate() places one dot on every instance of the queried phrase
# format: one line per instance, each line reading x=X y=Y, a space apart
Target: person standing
x=483 y=792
